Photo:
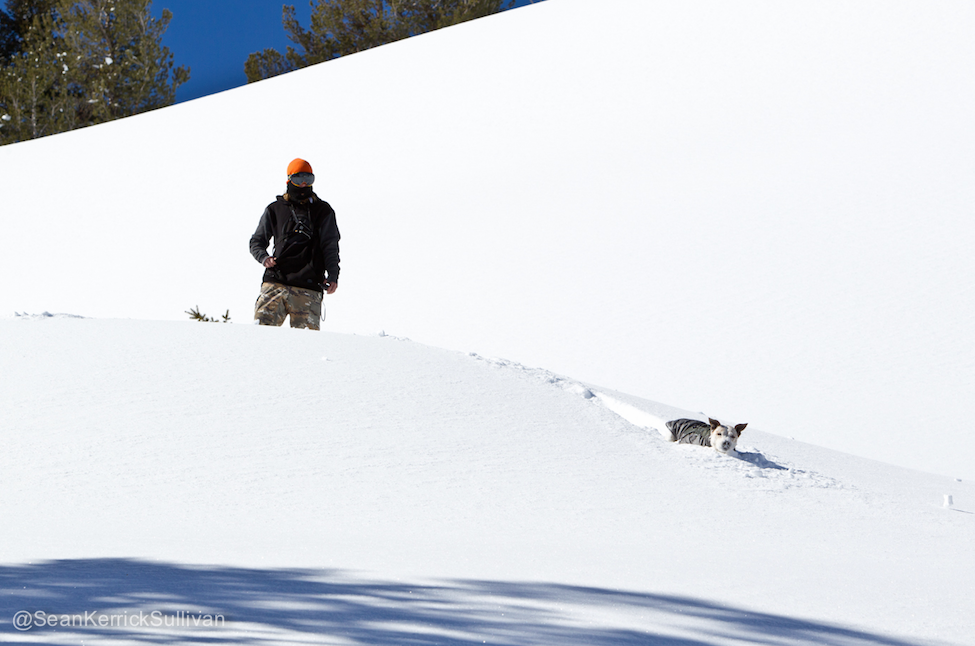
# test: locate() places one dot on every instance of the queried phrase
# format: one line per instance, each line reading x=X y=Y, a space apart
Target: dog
x=718 y=436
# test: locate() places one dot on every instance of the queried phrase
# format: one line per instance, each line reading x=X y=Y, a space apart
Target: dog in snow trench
x=718 y=436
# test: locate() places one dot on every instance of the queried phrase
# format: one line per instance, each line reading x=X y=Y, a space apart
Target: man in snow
x=305 y=262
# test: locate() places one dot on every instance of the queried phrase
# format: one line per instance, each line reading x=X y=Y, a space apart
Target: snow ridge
x=761 y=472
x=44 y=315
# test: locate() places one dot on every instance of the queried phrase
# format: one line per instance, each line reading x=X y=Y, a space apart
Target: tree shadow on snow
x=328 y=606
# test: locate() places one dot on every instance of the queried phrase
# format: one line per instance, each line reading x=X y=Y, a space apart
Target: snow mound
x=44 y=315
x=652 y=416
x=761 y=209
x=223 y=453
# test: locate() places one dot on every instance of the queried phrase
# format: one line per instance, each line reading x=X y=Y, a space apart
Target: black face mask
x=299 y=193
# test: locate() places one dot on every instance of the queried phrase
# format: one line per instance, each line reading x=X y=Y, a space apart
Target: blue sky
x=214 y=37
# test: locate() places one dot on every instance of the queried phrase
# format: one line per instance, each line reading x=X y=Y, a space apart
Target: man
x=305 y=261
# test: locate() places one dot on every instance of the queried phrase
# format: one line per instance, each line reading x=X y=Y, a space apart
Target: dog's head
x=724 y=439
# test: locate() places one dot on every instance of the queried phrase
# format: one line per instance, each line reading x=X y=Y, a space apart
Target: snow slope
x=342 y=489
x=758 y=209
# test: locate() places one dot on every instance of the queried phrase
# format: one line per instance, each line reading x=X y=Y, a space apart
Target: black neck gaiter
x=299 y=193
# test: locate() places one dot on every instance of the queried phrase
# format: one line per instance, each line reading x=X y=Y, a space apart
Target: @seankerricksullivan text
x=25 y=620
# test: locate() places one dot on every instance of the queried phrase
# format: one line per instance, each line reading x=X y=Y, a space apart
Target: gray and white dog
x=718 y=436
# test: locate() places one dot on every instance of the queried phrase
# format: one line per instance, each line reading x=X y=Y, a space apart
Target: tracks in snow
x=751 y=468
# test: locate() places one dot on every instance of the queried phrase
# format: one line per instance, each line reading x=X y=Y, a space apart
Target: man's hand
x=331 y=286
x=270 y=261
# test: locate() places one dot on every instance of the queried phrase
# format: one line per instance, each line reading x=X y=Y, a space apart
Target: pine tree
x=120 y=67
x=342 y=27
x=74 y=63
x=265 y=64
x=33 y=102
x=16 y=20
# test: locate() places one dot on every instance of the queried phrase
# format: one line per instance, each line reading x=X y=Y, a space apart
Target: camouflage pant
x=303 y=306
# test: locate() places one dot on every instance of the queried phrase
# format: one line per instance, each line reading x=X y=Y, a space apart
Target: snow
x=761 y=210
x=329 y=487
x=755 y=211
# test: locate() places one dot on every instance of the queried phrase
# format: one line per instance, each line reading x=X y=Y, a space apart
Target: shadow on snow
x=264 y=606
x=760 y=461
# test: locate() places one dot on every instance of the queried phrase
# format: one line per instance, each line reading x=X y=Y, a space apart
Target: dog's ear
x=740 y=428
x=714 y=423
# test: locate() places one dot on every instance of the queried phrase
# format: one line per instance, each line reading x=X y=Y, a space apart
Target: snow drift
x=351 y=489
x=760 y=209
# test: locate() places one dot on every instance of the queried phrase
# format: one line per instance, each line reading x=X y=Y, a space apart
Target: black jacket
x=306 y=242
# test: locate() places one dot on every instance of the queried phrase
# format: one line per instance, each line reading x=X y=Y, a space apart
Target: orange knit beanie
x=299 y=166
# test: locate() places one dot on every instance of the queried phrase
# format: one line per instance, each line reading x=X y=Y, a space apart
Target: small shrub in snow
x=197 y=316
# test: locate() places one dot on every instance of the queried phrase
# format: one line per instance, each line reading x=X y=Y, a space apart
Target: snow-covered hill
x=760 y=209
x=340 y=489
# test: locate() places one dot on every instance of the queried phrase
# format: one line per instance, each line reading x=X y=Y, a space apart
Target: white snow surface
x=343 y=489
x=756 y=211
x=759 y=209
